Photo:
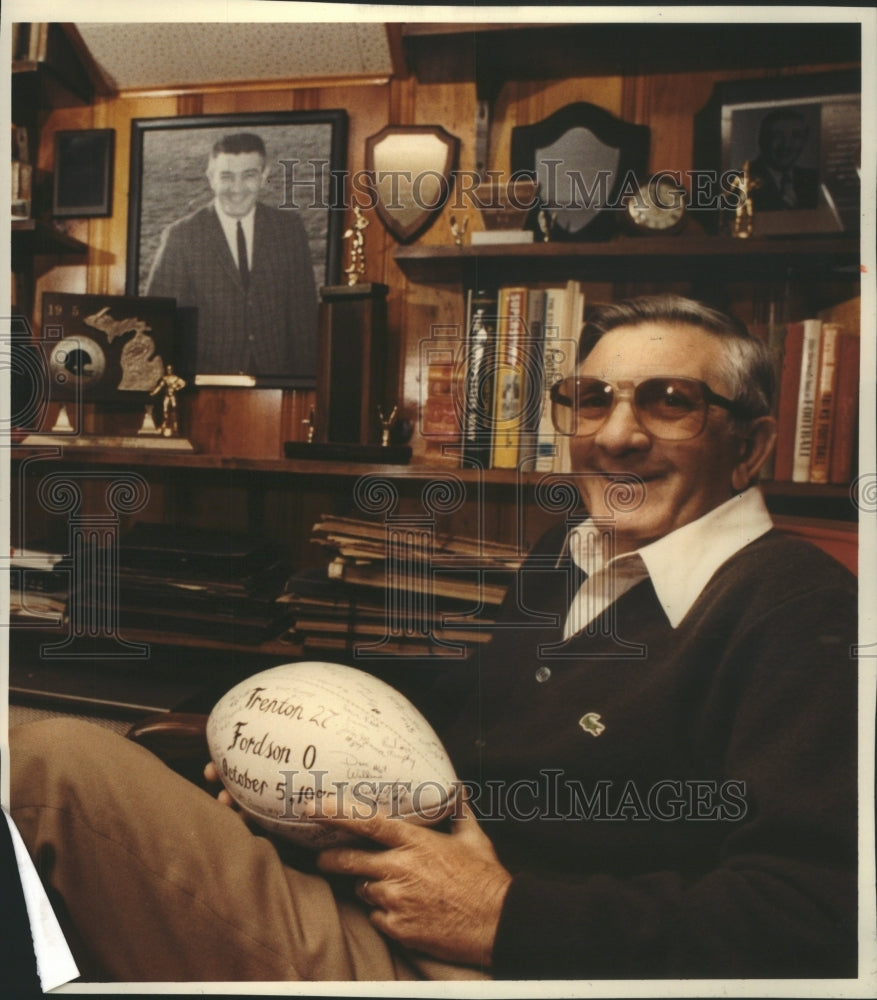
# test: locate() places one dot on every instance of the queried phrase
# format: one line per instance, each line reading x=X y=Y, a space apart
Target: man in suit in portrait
x=780 y=183
x=241 y=272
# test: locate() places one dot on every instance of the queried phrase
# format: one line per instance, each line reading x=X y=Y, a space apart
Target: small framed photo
x=802 y=139
x=83 y=175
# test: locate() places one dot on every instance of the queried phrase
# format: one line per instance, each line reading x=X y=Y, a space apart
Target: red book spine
x=843 y=439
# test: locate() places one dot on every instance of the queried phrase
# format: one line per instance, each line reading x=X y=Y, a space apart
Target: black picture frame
x=307 y=157
x=82 y=181
x=584 y=159
x=824 y=110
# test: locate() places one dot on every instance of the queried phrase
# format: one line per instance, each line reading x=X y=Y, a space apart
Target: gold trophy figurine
x=387 y=425
x=744 y=216
x=169 y=384
x=356 y=269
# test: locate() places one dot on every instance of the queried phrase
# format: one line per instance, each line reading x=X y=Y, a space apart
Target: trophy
x=744 y=215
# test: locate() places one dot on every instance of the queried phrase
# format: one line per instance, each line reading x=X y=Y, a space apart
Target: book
x=477 y=367
x=39 y=586
x=37 y=41
x=508 y=391
x=336 y=530
x=574 y=314
x=439 y=422
x=533 y=358
x=846 y=411
x=787 y=401
x=403 y=648
x=555 y=352
x=806 y=401
x=223 y=556
x=360 y=627
x=245 y=630
x=437 y=584
x=823 y=405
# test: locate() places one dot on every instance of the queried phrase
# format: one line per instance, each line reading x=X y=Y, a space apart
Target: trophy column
x=351 y=364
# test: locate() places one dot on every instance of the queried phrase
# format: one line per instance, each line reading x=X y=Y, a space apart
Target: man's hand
x=433 y=892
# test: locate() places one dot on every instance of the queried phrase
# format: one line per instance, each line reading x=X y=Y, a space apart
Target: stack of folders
x=390 y=591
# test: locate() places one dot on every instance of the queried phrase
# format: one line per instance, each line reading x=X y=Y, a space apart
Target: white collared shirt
x=680 y=564
x=229 y=225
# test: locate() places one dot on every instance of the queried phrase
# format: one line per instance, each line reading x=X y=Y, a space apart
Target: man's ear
x=756 y=445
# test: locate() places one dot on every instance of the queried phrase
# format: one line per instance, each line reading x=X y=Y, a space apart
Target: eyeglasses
x=670 y=409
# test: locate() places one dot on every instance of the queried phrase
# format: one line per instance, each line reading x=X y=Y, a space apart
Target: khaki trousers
x=154 y=881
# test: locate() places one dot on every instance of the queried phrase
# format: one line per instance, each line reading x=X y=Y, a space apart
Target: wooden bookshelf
x=33 y=237
x=659 y=257
x=190 y=469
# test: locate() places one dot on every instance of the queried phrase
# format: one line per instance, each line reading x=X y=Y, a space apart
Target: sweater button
x=542 y=674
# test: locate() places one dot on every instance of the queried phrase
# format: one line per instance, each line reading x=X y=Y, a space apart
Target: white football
x=306 y=738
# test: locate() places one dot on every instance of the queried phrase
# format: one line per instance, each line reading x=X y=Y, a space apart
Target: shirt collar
x=681 y=564
x=229 y=223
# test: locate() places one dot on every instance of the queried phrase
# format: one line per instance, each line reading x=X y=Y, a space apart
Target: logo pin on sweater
x=591 y=723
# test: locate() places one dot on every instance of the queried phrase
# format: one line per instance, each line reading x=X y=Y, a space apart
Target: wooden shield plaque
x=412 y=171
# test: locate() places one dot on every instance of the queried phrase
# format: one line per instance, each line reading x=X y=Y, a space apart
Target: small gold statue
x=169 y=384
x=387 y=425
x=458 y=229
x=744 y=215
x=356 y=269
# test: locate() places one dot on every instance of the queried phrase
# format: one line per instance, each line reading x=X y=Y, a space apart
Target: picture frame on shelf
x=305 y=158
x=583 y=158
x=801 y=136
x=82 y=181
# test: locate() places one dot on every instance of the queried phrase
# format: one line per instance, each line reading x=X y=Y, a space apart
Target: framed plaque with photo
x=801 y=136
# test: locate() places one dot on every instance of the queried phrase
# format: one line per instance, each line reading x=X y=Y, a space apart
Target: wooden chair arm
x=177 y=738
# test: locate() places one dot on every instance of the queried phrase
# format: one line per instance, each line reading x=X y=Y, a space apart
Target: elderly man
x=659 y=747
x=241 y=272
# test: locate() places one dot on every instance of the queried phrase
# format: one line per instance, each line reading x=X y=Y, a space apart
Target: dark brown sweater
x=709 y=830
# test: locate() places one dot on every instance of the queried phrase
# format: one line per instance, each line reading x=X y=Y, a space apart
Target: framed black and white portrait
x=238 y=217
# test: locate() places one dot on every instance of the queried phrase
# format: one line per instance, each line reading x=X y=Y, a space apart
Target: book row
x=490 y=403
x=817 y=406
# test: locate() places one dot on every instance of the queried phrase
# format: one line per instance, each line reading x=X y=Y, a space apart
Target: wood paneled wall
x=255 y=423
